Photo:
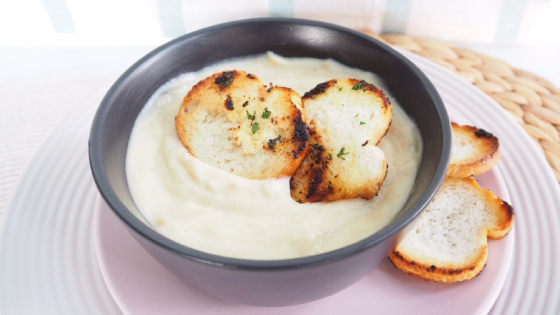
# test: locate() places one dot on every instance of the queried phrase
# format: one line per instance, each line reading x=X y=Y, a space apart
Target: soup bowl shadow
x=275 y=282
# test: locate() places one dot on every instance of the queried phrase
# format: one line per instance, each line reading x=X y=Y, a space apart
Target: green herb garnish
x=357 y=115
x=359 y=85
x=225 y=79
x=330 y=156
x=266 y=113
x=249 y=116
x=362 y=123
x=273 y=142
x=341 y=154
x=255 y=128
x=340 y=88
x=315 y=146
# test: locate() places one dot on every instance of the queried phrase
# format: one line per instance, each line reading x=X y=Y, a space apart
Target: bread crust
x=324 y=174
x=467 y=270
x=271 y=144
x=431 y=272
x=486 y=155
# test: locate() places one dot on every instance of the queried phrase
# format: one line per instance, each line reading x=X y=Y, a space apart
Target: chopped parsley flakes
x=315 y=146
x=273 y=142
x=266 y=113
x=255 y=128
x=362 y=123
x=225 y=79
x=249 y=116
x=359 y=85
x=341 y=154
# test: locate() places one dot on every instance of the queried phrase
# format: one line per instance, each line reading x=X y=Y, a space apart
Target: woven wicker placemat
x=532 y=101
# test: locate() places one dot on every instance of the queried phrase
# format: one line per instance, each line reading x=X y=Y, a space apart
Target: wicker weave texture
x=532 y=101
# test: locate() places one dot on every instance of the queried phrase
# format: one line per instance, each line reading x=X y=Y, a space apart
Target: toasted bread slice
x=474 y=151
x=232 y=121
x=448 y=242
x=347 y=119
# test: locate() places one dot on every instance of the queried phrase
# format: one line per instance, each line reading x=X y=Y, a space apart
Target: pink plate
x=140 y=285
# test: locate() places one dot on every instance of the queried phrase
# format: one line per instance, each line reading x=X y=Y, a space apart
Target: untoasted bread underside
x=448 y=241
x=347 y=119
x=474 y=151
x=232 y=121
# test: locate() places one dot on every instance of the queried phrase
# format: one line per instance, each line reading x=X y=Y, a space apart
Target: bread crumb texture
x=232 y=121
x=347 y=119
x=448 y=241
x=474 y=151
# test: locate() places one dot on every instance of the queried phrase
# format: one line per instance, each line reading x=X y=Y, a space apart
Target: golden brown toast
x=474 y=151
x=232 y=121
x=347 y=119
x=448 y=241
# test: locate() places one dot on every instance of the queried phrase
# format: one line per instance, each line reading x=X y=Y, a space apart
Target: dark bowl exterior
x=281 y=282
x=269 y=286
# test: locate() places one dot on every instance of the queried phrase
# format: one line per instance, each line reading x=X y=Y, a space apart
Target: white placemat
x=28 y=113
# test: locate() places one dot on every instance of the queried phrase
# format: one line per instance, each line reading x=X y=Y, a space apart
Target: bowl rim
x=104 y=187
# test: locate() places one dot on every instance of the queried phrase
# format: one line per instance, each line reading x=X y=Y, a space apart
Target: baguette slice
x=474 y=151
x=448 y=242
x=232 y=121
x=347 y=119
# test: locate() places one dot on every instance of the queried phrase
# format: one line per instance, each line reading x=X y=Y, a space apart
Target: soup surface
x=214 y=211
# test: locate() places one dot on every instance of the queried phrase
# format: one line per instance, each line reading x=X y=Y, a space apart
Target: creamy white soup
x=214 y=211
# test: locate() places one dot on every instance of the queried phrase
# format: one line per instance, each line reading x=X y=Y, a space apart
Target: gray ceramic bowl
x=280 y=282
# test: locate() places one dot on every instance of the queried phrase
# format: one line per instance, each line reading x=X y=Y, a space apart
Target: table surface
x=32 y=117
